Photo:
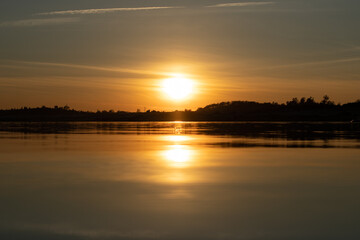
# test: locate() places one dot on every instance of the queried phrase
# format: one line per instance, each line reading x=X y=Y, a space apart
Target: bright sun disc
x=178 y=88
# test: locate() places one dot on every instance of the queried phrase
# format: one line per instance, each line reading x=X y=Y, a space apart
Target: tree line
x=303 y=109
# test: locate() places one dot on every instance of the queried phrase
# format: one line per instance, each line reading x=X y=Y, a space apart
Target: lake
x=179 y=180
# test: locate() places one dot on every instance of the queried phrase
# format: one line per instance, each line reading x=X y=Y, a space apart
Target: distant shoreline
x=307 y=110
x=183 y=121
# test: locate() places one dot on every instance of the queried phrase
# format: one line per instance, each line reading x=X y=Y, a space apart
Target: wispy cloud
x=312 y=63
x=79 y=66
x=103 y=10
x=38 y=22
x=241 y=4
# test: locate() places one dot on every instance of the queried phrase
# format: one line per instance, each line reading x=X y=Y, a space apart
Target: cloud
x=313 y=63
x=79 y=66
x=241 y=4
x=102 y=10
x=38 y=22
x=60 y=20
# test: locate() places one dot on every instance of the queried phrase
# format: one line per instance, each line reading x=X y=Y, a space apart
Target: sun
x=178 y=87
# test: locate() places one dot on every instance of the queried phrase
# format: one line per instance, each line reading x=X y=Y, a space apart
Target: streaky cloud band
x=38 y=22
x=80 y=66
x=103 y=10
x=240 y=4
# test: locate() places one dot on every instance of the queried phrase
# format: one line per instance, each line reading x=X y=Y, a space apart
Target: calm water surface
x=179 y=181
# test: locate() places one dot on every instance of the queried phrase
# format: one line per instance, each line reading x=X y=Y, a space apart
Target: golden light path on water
x=178 y=154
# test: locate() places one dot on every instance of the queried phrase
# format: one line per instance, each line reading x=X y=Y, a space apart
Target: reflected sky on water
x=177 y=184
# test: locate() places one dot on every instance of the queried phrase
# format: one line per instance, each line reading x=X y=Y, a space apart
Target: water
x=179 y=181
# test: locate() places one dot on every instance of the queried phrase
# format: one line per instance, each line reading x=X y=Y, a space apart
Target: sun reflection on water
x=178 y=152
x=178 y=155
x=177 y=138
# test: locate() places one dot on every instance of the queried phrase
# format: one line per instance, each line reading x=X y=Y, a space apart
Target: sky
x=114 y=54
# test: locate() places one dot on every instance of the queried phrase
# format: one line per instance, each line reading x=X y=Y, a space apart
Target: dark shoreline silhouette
x=294 y=110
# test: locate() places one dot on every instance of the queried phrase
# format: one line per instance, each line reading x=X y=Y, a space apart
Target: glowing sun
x=178 y=87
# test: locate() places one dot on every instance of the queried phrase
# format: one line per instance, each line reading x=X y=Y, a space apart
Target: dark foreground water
x=179 y=181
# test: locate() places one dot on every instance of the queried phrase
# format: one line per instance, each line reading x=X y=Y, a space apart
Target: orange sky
x=111 y=55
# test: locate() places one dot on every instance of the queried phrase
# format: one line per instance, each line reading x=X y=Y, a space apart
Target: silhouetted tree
x=325 y=99
x=310 y=100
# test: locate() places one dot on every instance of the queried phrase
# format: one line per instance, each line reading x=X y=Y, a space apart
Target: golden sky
x=116 y=54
